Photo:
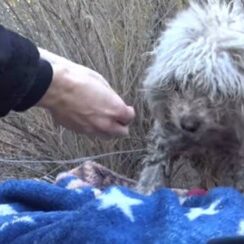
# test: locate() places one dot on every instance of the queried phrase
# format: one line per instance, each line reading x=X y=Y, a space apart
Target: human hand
x=82 y=100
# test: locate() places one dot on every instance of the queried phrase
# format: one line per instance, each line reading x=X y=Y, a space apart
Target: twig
x=71 y=161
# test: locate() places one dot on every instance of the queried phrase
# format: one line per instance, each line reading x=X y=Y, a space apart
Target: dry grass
x=112 y=37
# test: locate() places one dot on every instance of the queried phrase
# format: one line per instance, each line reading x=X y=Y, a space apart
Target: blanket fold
x=39 y=212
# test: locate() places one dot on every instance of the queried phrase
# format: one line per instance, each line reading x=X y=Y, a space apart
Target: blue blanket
x=38 y=212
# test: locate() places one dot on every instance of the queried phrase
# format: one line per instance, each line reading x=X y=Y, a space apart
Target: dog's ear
x=159 y=104
x=159 y=111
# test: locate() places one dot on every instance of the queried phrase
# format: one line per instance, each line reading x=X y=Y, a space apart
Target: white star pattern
x=5 y=209
x=197 y=212
x=241 y=228
x=25 y=219
x=96 y=192
x=116 y=198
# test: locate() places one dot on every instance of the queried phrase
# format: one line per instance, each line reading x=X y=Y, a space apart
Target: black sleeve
x=24 y=76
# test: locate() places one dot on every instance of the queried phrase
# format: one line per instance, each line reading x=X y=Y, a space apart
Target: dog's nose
x=190 y=123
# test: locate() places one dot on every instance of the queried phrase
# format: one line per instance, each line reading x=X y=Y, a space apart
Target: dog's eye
x=190 y=76
x=176 y=88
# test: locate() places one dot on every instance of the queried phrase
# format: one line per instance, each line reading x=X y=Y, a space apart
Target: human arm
x=81 y=99
x=78 y=98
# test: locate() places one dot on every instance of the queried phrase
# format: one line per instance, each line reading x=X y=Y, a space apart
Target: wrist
x=60 y=86
x=57 y=88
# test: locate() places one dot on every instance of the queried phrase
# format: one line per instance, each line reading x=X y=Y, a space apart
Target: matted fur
x=195 y=90
x=202 y=47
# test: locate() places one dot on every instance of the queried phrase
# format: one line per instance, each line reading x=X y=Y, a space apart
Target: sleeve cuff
x=39 y=88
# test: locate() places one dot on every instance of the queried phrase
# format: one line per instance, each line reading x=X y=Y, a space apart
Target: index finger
x=126 y=115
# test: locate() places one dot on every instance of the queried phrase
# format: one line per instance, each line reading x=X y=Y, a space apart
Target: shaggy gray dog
x=195 y=90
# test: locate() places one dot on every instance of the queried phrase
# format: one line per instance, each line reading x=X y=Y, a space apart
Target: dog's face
x=192 y=115
x=197 y=119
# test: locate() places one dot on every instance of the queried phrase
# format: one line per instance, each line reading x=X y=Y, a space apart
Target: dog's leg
x=156 y=168
x=151 y=178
